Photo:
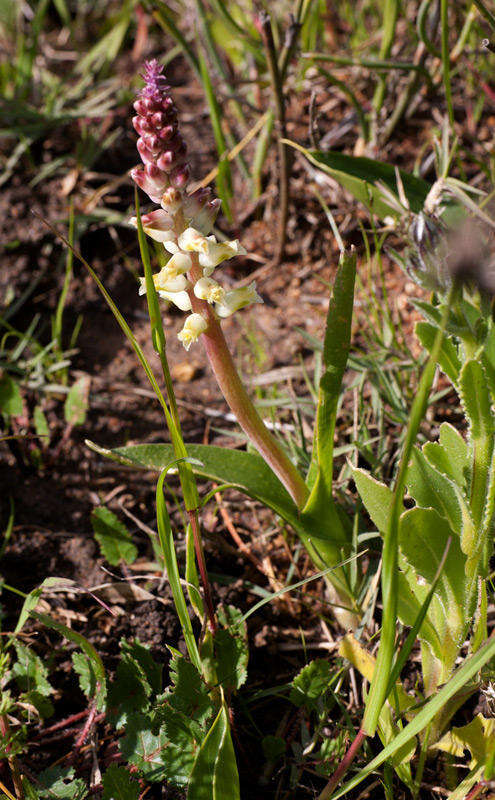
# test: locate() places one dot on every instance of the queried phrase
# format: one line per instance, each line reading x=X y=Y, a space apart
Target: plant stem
x=200 y=557
x=284 y=156
x=344 y=765
x=240 y=403
x=11 y=759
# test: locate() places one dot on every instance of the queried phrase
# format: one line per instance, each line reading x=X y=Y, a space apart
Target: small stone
x=185 y=371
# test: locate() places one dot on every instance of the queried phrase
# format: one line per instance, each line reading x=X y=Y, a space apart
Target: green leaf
x=113 y=537
x=41 y=425
x=423 y=538
x=448 y=358
x=428 y=712
x=140 y=654
x=58 y=783
x=214 y=775
x=377 y=497
x=10 y=396
x=87 y=648
x=190 y=694
x=86 y=674
x=432 y=489
x=359 y=175
x=476 y=399
x=310 y=684
x=231 y=650
x=167 y=754
x=320 y=507
x=118 y=785
x=129 y=691
x=450 y=454
x=29 y=671
x=76 y=402
x=245 y=471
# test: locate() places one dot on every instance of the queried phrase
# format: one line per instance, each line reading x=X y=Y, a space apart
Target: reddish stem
x=200 y=557
x=343 y=766
x=11 y=759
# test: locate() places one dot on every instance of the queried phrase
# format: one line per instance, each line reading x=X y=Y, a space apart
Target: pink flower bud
x=144 y=152
x=153 y=184
x=180 y=176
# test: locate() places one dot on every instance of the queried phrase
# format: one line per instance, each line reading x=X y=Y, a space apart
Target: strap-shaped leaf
x=246 y=472
x=377 y=497
x=214 y=775
x=320 y=509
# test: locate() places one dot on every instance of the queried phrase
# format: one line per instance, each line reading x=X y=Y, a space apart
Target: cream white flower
x=180 y=299
x=236 y=299
x=194 y=326
x=166 y=282
x=211 y=252
x=158 y=225
x=210 y=290
x=179 y=264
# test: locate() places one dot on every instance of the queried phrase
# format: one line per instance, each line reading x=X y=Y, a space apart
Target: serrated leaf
x=85 y=646
x=231 y=650
x=10 y=396
x=58 y=783
x=140 y=653
x=118 y=784
x=477 y=737
x=190 y=693
x=310 y=684
x=76 y=402
x=113 y=537
x=128 y=692
x=214 y=775
x=86 y=674
x=29 y=671
x=41 y=703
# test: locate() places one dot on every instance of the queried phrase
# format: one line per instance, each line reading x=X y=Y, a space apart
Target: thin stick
x=200 y=557
x=11 y=759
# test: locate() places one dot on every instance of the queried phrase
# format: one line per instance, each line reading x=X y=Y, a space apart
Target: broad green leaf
x=377 y=497
x=448 y=358
x=214 y=775
x=58 y=783
x=423 y=539
x=245 y=471
x=118 y=784
x=10 y=396
x=164 y=754
x=359 y=175
x=29 y=671
x=453 y=458
x=141 y=655
x=476 y=737
x=432 y=489
x=190 y=694
x=311 y=683
x=76 y=402
x=476 y=399
x=128 y=692
x=113 y=537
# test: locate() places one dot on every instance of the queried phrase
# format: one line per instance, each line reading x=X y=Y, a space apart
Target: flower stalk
x=183 y=225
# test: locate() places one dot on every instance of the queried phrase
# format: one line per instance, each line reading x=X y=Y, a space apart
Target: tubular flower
x=184 y=221
x=194 y=326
